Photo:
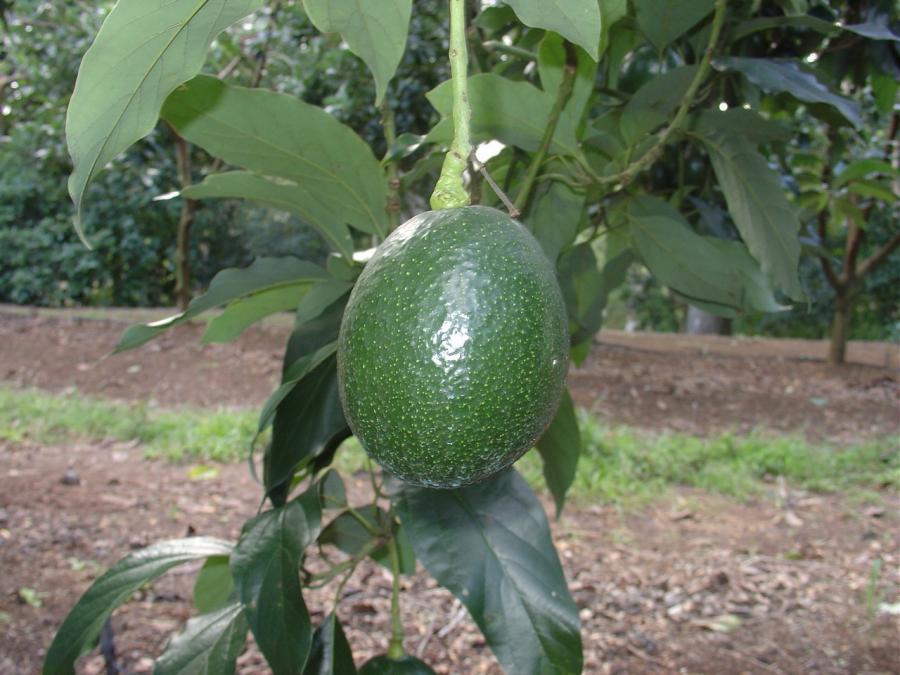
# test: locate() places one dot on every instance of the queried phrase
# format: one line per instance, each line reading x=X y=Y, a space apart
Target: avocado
x=454 y=346
x=384 y=665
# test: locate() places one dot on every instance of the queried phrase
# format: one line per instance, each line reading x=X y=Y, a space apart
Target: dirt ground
x=788 y=583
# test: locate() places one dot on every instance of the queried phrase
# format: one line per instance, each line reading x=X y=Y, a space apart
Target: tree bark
x=840 y=325
x=185 y=220
x=699 y=322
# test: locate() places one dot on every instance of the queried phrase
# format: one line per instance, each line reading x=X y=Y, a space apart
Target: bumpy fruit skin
x=453 y=349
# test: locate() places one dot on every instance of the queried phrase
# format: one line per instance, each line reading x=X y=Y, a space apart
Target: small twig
x=454 y=622
x=507 y=202
x=108 y=648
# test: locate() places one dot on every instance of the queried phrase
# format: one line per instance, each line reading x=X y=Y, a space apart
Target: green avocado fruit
x=454 y=347
x=384 y=665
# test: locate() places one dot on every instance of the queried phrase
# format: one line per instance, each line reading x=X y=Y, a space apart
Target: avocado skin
x=454 y=347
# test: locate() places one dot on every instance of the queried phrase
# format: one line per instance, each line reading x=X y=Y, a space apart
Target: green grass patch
x=618 y=464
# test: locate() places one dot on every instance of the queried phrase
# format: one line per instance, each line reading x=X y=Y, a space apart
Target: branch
x=827 y=267
x=562 y=97
x=878 y=257
x=628 y=174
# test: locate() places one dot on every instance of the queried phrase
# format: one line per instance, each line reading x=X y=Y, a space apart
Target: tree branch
x=878 y=257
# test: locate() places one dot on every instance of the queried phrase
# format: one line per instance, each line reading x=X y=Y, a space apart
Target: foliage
x=647 y=137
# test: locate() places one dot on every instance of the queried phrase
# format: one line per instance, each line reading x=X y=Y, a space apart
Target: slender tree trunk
x=840 y=326
x=185 y=220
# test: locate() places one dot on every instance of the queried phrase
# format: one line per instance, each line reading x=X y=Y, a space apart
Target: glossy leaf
x=350 y=536
x=560 y=447
x=713 y=271
x=143 y=51
x=265 y=565
x=514 y=113
x=576 y=20
x=766 y=220
x=214 y=585
x=278 y=135
x=490 y=545
x=376 y=31
x=332 y=492
x=653 y=104
x=785 y=75
x=82 y=626
x=209 y=644
x=285 y=195
x=263 y=276
x=331 y=653
x=664 y=21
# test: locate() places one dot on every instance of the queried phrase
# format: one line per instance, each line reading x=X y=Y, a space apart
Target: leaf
x=747 y=123
x=375 y=31
x=870 y=188
x=283 y=195
x=611 y=12
x=874 y=30
x=264 y=275
x=785 y=75
x=709 y=270
x=766 y=220
x=331 y=653
x=332 y=493
x=862 y=168
x=351 y=536
x=490 y=545
x=576 y=20
x=653 y=104
x=554 y=217
x=385 y=665
x=278 y=135
x=514 y=113
x=265 y=565
x=664 y=21
x=214 y=585
x=560 y=447
x=143 y=51
x=551 y=66
x=745 y=28
x=209 y=644
x=82 y=626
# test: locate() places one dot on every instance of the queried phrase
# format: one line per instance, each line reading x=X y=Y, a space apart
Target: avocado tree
x=583 y=105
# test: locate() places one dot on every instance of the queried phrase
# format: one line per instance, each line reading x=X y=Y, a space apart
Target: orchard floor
x=786 y=583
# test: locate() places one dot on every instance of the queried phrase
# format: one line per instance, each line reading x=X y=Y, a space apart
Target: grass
x=618 y=464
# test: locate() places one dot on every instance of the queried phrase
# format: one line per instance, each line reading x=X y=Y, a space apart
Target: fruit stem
x=450 y=191
x=395 y=647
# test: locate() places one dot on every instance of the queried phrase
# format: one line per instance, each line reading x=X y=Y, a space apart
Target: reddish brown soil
x=695 y=584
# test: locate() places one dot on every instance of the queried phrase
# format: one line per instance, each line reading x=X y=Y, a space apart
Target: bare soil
x=788 y=583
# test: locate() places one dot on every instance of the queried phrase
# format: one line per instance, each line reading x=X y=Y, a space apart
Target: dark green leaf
x=611 y=12
x=209 y=644
x=551 y=66
x=514 y=113
x=747 y=123
x=404 y=146
x=863 y=168
x=278 y=135
x=785 y=75
x=745 y=28
x=331 y=653
x=265 y=565
x=554 y=216
x=653 y=104
x=560 y=447
x=351 y=536
x=384 y=665
x=874 y=189
x=874 y=30
x=576 y=20
x=664 y=21
x=375 y=31
x=82 y=626
x=332 y=493
x=214 y=585
x=265 y=275
x=711 y=271
x=144 y=50
x=766 y=220
x=281 y=194
x=490 y=545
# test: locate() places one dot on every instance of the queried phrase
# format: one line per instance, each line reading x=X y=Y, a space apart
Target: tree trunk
x=840 y=325
x=699 y=322
x=183 y=236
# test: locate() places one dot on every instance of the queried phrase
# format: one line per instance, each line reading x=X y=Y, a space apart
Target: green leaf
x=351 y=536
x=332 y=493
x=282 y=194
x=375 y=31
x=874 y=30
x=747 y=123
x=785 y=75
x=82 y=626
x=551 y=66
x=514 y=113
x=554 y=216
x=209 y=644
x=214 y=585
x=560 y=447
x=664 y=21
x=385 y=665
x=870 y=188
x=576 y=20
x=709 y=270
x=331 y=653
x=264 y=275
x=862 y=168
x=750 y=26
x=265 y=565
x=311 y=414
x=766 y=220
x=611 y=12
x=653 y=104
x=490 y=545
x=143 y=51
x=278 y=135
